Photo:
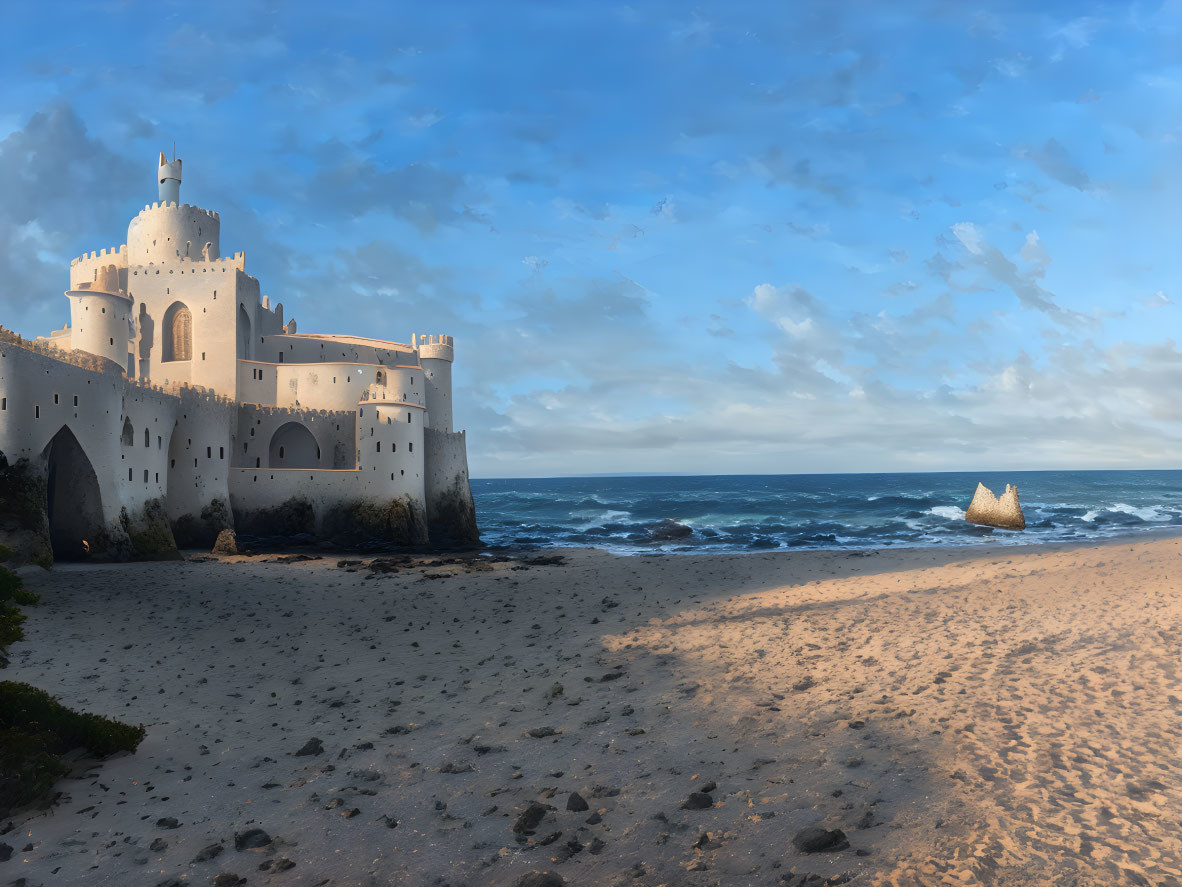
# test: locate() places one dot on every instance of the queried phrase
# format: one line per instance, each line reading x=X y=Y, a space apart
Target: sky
x=708 y=238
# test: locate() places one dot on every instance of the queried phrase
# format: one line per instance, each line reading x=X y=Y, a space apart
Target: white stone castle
x=177 y=403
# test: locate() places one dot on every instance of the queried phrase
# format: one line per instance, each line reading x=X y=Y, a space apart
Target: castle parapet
x=438 y=347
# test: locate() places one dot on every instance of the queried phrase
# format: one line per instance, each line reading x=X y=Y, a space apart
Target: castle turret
x=170 y=180
x=100 y=313
x=436 y=354
x=169 y=231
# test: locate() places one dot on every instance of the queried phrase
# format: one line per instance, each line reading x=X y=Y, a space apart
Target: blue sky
x=712 y=238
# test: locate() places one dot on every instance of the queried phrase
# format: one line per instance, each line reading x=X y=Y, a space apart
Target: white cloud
x=969 y=235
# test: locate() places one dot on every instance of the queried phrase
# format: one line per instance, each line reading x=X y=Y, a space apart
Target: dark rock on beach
x=816 y=839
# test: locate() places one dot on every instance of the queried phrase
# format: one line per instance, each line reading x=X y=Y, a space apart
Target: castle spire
x=169 y=175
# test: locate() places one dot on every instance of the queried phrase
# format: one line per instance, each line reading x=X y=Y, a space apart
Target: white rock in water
x=990 y=511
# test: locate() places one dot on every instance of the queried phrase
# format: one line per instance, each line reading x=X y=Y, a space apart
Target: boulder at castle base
x=227 y=543
x=201 y=530
x=988 y=510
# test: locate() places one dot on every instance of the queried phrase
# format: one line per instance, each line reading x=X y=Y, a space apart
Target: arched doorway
x=177 y=338
x=293 y=446
x=73 y=501
x=243 y=333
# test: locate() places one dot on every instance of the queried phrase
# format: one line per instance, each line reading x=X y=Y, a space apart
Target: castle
x=177 y=402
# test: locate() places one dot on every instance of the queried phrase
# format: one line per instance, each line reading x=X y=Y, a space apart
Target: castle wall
x=303 y=348
x=330 y=385
x=335 y=434
x=199 y=448
x=125 y=432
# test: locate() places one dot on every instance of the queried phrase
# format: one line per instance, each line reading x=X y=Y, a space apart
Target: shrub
x=11 y=618
x=35 y=729
x=27 y=770
x=32 y=710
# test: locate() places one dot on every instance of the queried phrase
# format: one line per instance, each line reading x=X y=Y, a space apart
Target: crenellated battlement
x=82 y=359
x=112 y=253
x=438 y=347
x=187 y=393
x=278 y=412
x=151 y=207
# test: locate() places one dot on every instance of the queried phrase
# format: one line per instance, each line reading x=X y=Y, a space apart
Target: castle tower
x=99 y=316
x=170 y=180
x=436 y=354
x=169 y=231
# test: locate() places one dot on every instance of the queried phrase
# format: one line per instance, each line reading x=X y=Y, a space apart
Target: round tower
x=100 y=316
x=436 y=354
x=169 y=231
x=169 y=175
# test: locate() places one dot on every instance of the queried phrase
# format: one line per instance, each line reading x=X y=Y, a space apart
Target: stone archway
x=293 y=446
x=73 y=501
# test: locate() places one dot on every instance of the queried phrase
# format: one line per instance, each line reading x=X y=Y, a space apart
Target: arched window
x=127 y=438
x=178 y=333
x=243 y=333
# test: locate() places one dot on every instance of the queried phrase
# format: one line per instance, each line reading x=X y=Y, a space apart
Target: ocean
x=731 y=513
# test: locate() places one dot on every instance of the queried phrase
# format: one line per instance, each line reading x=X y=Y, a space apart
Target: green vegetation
x=11 y=592
x=35 y=729
x=24 y=523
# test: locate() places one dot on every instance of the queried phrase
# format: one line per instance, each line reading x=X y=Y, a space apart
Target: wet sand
x=1004 y=716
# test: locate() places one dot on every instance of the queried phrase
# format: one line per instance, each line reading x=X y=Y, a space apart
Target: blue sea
x=792 y=511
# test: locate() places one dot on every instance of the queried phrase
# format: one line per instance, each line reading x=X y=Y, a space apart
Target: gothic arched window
x=178 y=333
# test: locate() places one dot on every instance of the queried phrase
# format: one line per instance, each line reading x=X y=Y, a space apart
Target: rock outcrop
x=991 y=511
x=227 y=543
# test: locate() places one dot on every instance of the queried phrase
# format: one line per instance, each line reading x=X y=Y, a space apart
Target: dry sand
x=964 y=716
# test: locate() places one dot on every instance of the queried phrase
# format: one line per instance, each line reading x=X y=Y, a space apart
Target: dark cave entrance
x=73 y=500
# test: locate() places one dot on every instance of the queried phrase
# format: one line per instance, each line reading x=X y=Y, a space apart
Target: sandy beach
x=963 y=716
